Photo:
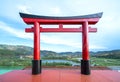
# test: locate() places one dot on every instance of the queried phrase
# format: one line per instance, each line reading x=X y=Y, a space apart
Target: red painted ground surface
x=61 y=76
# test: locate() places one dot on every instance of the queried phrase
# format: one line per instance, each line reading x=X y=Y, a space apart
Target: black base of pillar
x=40 y=66
x=85 y=67
x=36 y=67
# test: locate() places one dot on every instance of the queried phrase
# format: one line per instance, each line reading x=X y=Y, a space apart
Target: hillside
x=15 y=50
x=113 y=54
x=12 y=50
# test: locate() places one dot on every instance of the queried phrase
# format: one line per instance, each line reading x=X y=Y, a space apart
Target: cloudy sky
x=107 y=38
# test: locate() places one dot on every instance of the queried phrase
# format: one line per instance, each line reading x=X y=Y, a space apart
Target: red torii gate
x=84 y=20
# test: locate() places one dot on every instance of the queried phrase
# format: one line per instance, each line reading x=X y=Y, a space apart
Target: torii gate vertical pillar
x=36 y=62
x=85 y=64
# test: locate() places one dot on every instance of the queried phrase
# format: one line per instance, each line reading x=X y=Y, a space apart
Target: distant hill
x=48 y=53
x=70 y=53
x=114 y=54
x=16 y=50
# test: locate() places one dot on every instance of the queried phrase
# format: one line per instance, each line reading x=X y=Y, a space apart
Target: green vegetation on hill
x=20 y=56
x=56 y=64
x=8 y=50
x=114 y=54
x=95 y=61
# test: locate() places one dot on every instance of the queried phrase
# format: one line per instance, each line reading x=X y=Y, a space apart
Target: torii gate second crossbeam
x=84 y=20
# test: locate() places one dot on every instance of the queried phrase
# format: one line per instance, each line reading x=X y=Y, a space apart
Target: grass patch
x=56 y=64
x=104 y=62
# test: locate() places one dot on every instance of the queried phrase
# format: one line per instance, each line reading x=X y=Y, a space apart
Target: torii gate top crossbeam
x=30 y=19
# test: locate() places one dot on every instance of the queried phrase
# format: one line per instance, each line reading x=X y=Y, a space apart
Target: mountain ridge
x=26 y=50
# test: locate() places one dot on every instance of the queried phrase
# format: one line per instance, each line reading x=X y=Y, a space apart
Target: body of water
x=117 y=68
x=61 y=61
x=6 y=69
x=3 y=71
x=114 y=67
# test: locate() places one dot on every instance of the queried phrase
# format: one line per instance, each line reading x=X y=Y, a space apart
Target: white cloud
x=58 y=40
x=24 y=9
x=97 y=47
x=62 y=40
x=15 y=32
x=55 y=11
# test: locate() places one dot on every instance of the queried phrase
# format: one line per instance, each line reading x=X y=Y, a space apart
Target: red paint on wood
x=36 y=41
x=29 y=29
x=60 y=29
x=67 y=21
x=61 y=75
x=85 y=47
x=92 y=29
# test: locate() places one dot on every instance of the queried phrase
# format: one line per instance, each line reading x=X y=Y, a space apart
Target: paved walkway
x=58 y=75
